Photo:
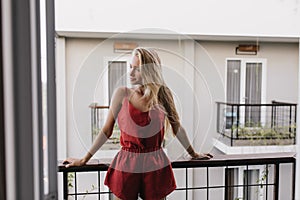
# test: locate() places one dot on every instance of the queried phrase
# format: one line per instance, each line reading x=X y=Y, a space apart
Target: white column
x=188 y=76
x=10 y=163
x=61 y=98
x=188 y=119
x=60 y=54
x=22 y=100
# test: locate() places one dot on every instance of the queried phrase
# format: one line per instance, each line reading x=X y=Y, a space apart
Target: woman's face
x=135 y=71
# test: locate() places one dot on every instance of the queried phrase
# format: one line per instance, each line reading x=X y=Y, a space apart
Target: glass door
x=245 y=84
x=253 y=91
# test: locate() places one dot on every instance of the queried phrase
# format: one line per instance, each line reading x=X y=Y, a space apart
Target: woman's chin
x=135 y=83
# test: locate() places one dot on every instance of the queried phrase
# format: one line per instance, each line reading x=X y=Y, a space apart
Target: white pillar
x=60 y=54
x=61 y=98
x=8 y=101
x=188 y=74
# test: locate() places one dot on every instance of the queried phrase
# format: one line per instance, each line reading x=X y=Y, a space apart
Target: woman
x=141 y=168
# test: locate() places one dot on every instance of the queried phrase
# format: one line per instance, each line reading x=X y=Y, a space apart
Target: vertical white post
x=22 y=99
x=189 y=55
x=61 y=98
x=8 y=100
x=61 y=107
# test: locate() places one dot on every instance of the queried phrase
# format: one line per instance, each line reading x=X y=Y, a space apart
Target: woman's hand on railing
x=72 y=162
x=201 y=156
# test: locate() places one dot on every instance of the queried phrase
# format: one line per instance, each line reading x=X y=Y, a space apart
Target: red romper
x=141 y=167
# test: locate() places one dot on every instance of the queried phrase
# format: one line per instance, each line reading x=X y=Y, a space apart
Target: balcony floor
x=250 y=149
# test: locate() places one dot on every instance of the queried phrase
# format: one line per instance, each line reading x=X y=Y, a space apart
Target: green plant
x=95 y=132
x=264 y=134
x=264 y=176
x=93 y=187
x=71 y=176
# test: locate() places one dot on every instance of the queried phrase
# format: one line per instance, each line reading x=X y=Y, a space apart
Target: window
x=22 y=94
x=250 y=178
x=116 y=76
x=242 y=183
x=231 y=181
x=233 y=81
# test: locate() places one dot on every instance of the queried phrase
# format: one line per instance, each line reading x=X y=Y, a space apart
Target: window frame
x=22 y=96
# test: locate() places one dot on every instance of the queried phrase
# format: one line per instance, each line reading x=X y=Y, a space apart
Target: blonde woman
x=141 y=168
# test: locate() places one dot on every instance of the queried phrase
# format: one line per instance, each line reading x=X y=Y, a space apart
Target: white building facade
x=195 y=46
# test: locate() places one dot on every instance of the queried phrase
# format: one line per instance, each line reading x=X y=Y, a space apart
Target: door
x=245 y=84
x=253 y=90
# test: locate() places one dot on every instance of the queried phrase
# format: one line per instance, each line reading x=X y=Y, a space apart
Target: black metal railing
x=257 y=124
x=224 y=177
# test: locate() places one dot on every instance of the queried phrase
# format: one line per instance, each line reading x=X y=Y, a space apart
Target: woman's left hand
x=71 y=162
x=201 y=156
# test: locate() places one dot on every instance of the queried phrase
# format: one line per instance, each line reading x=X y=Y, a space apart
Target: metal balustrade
x=257 y=124
x=277 y=171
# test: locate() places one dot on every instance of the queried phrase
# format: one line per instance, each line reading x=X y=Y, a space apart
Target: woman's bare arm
x=106 y=130
x=178 y=130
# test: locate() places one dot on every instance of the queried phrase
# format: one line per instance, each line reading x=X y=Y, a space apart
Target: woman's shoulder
x=123 y=91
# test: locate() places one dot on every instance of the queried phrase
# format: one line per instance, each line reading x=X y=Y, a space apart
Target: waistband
x=141 y=150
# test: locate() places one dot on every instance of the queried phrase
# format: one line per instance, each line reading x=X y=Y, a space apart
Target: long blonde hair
x=154 y=86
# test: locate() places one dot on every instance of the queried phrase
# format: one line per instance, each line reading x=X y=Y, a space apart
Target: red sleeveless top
x=141 y=166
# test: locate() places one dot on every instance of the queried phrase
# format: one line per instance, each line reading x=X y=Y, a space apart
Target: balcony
x=256 y=124
x=263 y=177
x=98 y=116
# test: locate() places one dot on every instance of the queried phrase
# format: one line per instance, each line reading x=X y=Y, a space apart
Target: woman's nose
x=131 y=72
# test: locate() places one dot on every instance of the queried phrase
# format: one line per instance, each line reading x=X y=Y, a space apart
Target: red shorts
x=153 y=185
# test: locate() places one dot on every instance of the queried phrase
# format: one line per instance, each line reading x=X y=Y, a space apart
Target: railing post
x=99 y=189
x=267 y=180
x=295 y=122
x=294 y=180
x=218 y=118
x=275 y=116
x=290 y=121
x=231 y=138
x=247 y=182
x=92 y=122
x=276 y=182
x=226 y=183
x=65 y=185
x=207 y=183
x=186 y=183
x=272 y=116
x=237 y=120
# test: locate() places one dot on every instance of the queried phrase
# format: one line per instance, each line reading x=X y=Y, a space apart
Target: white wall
x=231 y=17
x=282 y=66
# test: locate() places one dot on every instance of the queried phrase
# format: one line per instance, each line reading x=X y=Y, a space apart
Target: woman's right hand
x=71 y=162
